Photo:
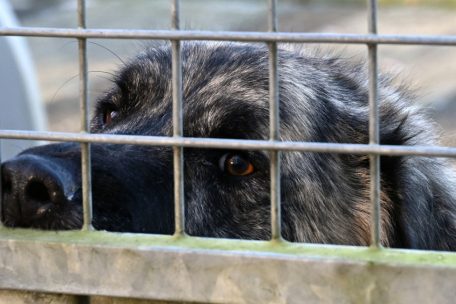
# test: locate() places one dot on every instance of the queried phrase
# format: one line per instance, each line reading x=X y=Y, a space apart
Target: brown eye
x=236 y=164
x=108 y=116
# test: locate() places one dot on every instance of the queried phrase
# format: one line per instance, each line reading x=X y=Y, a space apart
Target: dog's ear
x=422 y=189
x=426 y=210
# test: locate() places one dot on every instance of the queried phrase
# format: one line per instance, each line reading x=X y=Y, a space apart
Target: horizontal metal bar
x=235 y=144
x=209 y=270
x=231 y=36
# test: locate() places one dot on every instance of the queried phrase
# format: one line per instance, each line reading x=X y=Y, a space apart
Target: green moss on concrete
x=144 y=241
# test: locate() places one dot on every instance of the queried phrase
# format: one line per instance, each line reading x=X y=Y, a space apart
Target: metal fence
x=185 y=268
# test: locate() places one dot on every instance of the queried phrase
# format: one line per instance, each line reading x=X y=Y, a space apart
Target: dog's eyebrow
x=111 y=98
x=121 y=83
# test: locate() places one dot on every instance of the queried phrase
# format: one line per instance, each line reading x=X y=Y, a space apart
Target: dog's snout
x=31 y=188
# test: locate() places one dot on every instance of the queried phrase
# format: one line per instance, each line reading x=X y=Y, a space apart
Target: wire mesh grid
x=277 y=271
x=274 y=145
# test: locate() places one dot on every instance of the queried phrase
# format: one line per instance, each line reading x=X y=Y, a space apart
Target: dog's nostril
x=37 y=191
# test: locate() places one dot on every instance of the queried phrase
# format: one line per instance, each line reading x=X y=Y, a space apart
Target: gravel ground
x=430 y=69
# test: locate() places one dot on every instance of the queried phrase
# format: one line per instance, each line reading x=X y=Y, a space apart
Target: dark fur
x=325 y=197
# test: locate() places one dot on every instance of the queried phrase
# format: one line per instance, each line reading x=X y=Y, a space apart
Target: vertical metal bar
x=178 y=156
x=274 y=126
x=374 y=137
x=85 y=147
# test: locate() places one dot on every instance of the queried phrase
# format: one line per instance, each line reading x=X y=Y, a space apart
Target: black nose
x=32 y=188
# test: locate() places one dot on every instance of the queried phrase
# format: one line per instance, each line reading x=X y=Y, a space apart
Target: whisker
x=76 y=76
x=108 y=49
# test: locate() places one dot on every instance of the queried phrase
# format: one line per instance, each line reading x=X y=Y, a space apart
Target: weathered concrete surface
x=260 y=273
x=110 y=300
x=28 y=297
x=23 y=297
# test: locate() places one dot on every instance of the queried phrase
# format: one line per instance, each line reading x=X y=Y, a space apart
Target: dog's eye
x=236 y=164
x=108 y=115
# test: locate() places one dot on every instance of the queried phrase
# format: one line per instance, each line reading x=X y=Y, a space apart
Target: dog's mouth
x=47 y=217
x=41 y=214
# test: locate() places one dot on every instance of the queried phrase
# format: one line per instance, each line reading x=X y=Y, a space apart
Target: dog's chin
x=50 y=224
x=69 y=219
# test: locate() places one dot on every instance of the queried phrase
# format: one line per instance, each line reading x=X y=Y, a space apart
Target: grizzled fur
x=325 y=197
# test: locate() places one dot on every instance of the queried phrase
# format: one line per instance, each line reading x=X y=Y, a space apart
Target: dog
x=325 y=196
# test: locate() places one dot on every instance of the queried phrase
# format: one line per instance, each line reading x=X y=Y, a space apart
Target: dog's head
x=325 y=197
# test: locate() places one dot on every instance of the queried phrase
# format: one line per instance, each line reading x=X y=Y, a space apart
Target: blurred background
x=430 y=70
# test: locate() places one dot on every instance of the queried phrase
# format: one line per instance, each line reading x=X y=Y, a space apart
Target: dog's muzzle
x=32 y=187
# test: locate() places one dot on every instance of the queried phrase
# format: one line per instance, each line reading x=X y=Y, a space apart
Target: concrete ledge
x=220 y=271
